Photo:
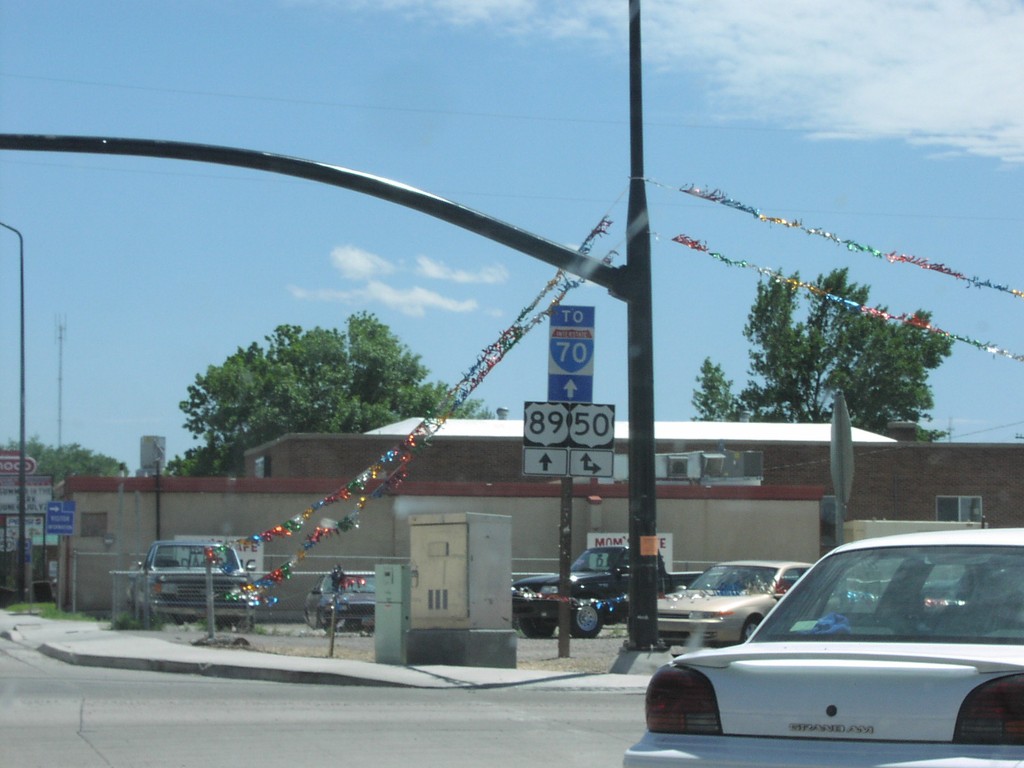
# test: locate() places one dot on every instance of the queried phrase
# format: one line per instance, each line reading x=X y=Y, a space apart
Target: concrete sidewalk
x=93 y=644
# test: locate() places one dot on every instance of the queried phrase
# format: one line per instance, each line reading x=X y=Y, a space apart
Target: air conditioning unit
x=753 y=464
x=683 y=466
x=711 y=464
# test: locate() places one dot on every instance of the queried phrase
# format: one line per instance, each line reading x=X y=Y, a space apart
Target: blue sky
x=899 y=126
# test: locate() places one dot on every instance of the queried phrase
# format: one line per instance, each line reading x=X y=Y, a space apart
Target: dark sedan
x=350 y=597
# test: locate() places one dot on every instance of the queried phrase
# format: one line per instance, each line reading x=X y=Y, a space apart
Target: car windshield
x=349 y=584
x=728 y=579
x=193 y=556
x=948 y=594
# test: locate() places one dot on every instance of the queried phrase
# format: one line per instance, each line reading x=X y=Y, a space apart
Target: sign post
x=841 y=460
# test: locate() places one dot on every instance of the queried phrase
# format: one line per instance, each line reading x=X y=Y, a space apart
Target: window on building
x=94 y=524
x=958 y=509
x=261 y=466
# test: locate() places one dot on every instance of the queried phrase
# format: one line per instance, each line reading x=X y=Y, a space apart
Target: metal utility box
x=392 y=613
x=461 y=592
x=463 y=571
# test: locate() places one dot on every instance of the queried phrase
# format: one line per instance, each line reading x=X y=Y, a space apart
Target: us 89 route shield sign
x=574 y=439
x=575 y=425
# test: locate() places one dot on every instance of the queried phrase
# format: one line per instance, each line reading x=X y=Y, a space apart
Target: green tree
x=714 y=399
x=72 y=459
x=304 y=381
x=797 y=364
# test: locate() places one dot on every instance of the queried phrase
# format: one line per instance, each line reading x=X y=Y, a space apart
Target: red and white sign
x=10 y=463
x=663 y=540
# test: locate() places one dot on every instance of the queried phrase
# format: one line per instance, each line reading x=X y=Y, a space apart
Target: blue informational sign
x=60 y=518
x=571 y=358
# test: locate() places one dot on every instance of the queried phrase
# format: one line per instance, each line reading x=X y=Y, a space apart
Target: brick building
x=477 y=466
x=895 y=477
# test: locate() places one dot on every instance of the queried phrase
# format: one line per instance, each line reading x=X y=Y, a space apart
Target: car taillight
x=682 y=700
x=993 y=713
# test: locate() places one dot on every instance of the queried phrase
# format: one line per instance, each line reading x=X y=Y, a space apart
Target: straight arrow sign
x=552 y=462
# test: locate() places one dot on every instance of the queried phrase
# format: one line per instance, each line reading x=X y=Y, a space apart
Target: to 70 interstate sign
x=563 y=439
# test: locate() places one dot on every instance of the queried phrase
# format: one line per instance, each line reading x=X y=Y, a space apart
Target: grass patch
x=48 y=611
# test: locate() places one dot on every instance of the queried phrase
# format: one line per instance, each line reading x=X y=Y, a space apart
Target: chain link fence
x=99 y=585
x=127 y=588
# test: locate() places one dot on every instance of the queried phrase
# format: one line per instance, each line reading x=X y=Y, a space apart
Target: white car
x=903 y=652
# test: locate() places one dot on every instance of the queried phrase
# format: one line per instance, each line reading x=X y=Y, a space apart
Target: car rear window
x=959 y=594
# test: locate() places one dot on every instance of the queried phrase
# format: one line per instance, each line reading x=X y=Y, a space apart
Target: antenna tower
x=62 y=327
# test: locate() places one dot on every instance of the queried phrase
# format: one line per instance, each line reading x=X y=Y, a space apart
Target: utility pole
x=22 y=543
x=643 y=547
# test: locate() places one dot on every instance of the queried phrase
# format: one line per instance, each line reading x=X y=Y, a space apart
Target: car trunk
x=843 y=697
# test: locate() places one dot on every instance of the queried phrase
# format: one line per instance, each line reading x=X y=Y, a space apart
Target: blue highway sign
x=571 y=358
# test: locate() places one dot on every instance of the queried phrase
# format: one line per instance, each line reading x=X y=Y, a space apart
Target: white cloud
x=560 y=19
x=933 y=72
x=436 y=270
x=415 y=301
x=357 y=264
x=940 y=73
x=366 y=269
x=409 y=301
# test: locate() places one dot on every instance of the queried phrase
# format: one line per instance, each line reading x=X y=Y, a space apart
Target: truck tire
x=537 y=627
x=586 y=622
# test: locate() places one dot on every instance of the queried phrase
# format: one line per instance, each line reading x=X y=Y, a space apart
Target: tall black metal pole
x=22 y=594
x=643 y=549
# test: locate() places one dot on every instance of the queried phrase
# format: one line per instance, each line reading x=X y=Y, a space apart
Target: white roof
x=703 y=431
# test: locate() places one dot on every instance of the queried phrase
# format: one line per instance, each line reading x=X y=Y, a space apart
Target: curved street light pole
x=21 y=435
x=631 y=283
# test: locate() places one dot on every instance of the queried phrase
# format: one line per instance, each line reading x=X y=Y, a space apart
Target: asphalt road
x=56 y=714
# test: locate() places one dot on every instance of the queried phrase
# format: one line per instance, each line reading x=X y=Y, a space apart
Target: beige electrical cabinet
x=461 y=564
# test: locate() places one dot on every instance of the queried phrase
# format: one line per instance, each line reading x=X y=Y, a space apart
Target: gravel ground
x=591 y=656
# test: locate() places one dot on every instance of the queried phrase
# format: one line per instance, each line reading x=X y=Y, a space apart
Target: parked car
x=598 y=594
x=898 y=651
x=171 y=582
x=725 y=604
x=351 y=597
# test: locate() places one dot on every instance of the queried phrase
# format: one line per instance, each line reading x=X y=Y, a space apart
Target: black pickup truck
x=599 y=594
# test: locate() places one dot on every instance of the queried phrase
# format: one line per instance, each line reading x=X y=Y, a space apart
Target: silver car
x=724 y=605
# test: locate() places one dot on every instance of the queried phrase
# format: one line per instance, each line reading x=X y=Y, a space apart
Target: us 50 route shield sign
x=576 y=439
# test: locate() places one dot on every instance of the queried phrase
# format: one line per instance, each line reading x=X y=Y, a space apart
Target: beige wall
x=704 y=530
